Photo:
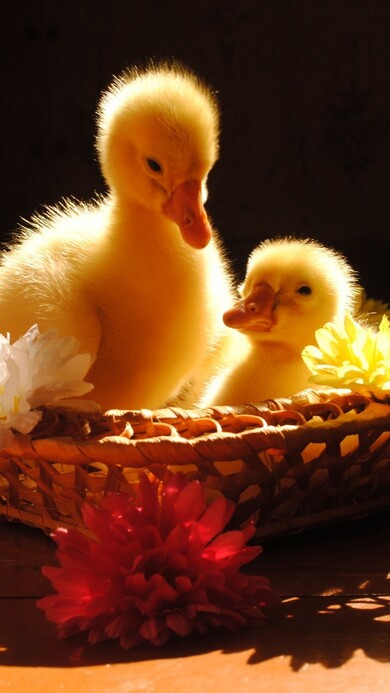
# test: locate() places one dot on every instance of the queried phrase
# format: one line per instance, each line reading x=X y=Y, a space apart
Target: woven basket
x=292 y=463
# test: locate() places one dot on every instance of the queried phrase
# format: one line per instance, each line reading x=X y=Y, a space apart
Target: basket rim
x=132 y=451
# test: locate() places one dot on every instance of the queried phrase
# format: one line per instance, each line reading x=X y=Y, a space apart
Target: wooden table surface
x=331 y=632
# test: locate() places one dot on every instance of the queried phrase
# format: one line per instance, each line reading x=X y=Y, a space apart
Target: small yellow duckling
x=292 y=287
x=137 y=276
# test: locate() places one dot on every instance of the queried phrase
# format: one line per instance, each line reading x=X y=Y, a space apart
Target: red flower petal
x=152 y=628
x=147 y=499
x=215 y=518
x=190 y=502
x=177 y=540
x=231 y=545
x=179 y=624
x=183 y=584
x=123 y=624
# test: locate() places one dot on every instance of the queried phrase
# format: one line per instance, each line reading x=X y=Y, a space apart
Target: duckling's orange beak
x=185 y=207
x=255 y=312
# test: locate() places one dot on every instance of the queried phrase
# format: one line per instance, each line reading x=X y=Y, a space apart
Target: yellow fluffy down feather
x=137 y=276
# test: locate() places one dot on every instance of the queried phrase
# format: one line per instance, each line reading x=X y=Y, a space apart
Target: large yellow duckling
x=136 y=276
x=292 y=287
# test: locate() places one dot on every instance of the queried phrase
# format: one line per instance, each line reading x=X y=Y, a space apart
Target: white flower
x=35 y=370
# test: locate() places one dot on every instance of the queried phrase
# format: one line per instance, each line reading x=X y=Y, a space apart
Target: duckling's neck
x=269 y=371
x=273 y=350
x=144 y=255
x=146 y=231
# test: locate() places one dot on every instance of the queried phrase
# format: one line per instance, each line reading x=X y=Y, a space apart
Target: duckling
x=138 y=275
x=292 y=288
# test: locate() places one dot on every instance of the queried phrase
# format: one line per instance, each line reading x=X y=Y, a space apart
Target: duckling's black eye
x=154 y=165
x=305 y=290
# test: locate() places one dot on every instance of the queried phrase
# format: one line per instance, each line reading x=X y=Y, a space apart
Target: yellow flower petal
x=384 y=325
x=351 y=355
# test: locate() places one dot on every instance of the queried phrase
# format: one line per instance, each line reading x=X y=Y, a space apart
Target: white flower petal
x=37 y=370
x=76 y=368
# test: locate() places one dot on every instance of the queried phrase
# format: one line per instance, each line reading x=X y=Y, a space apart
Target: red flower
x=158 y=565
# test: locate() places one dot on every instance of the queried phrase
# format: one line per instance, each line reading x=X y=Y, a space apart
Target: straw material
x=289 y=463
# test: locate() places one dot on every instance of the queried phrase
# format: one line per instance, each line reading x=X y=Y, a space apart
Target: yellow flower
x=352 y=356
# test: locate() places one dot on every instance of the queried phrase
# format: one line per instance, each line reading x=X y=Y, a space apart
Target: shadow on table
x=309 y=631
x=305 y=630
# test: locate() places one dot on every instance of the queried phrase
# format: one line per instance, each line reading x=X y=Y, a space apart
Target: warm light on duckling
x=166 y=121
x=137 y=276
x=292 y=287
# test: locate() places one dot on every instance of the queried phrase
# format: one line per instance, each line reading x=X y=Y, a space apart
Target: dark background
x=304 y=92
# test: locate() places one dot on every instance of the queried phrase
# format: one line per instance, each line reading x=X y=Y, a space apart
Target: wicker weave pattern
x=288 y=463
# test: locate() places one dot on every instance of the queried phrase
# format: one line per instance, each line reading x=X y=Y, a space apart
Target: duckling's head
x=292 y=288
x=157 y=141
